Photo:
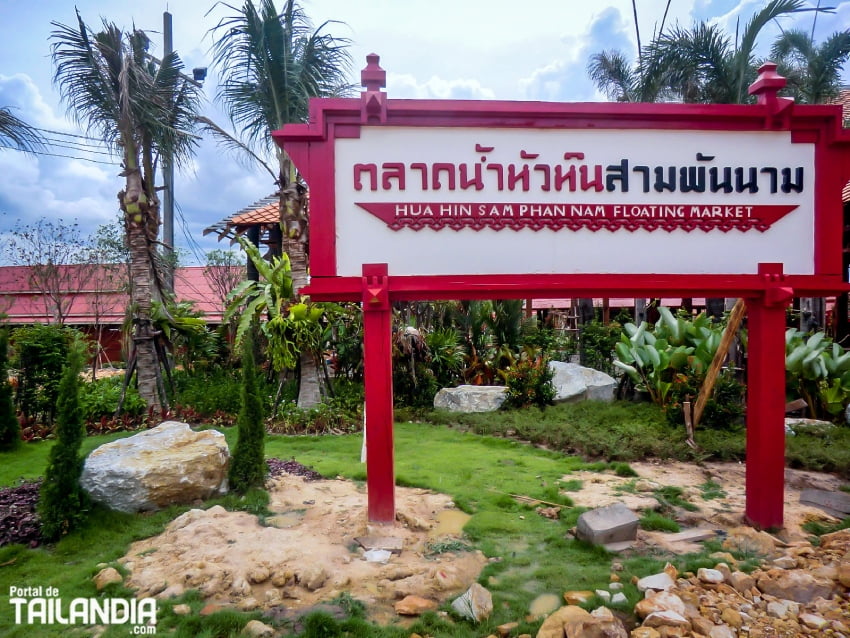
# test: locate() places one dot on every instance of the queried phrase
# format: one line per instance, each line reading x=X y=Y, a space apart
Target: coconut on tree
x=142 y=109
x=271 y=63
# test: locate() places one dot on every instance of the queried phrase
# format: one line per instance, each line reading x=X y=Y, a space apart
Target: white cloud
x=89 y=172
x=21 y=94
x=403 y=85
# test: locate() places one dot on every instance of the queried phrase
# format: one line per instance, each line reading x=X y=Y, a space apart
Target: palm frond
x=87 y=78
x=743 y=60
x=232 y=143
x=613 y=75
x=271 y=64
x=16 y=133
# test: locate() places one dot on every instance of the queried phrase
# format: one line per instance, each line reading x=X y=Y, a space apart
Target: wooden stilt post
x=377 y=369
x=765 y=479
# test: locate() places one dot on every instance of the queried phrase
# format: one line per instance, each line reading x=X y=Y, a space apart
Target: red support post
x=765 y=470
x=377 y=371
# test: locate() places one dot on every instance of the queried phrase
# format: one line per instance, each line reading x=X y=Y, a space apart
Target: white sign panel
x=434 y=201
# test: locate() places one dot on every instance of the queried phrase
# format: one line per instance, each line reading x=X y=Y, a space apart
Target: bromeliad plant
x=818 y=371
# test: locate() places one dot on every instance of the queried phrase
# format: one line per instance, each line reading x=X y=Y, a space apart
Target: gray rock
x=574 y=382
x=157 y=468
x=794 y=425
x=471 y=398
x=614 y=523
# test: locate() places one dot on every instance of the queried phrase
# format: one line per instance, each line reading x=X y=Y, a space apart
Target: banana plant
x=818 y=370
x=653 y=355
x=650 y=361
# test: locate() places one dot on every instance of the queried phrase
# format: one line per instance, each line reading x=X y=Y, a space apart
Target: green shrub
x=248 y=466
x=414 y=381
x=10 y=428
x=62 y=501
x=529 y=382
x=596 y=345
x=100 y=398
x=722 y=410
x=326 y=418
x=556 y=344
x=215 y=391
x=41 y=352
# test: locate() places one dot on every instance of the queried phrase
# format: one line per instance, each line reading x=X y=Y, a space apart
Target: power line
x=193 y=244
x=84 y=137
x=85 y=159
x=74 y=143
x=81 y=149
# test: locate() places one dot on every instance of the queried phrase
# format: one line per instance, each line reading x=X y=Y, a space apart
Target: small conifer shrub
x=248 y=466
x=62 y=502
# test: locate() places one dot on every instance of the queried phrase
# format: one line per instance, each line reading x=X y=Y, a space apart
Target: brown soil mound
x=306 y=553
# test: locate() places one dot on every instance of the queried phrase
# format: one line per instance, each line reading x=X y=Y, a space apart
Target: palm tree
x=141 y=108
x=17 y=134
x=700 y=64
x=271 y=65
x=813 y=72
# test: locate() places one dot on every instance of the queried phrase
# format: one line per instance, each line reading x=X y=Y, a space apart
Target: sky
x=440 y=49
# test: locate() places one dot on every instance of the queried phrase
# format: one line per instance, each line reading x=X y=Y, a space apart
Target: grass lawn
x=477 y=471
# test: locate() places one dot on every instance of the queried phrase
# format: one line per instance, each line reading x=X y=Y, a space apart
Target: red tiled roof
x=268 y=214
x=264 y=213
x=95 y=295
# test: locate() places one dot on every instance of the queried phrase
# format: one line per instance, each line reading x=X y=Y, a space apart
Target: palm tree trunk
x=147 y=361
x=137 y=210
x=298 y=261
x=309 y=382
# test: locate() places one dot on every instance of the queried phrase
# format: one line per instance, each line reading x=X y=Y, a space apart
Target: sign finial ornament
x=373 y=101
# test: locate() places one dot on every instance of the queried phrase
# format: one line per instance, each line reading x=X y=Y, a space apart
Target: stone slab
x=834 y=503
x=392 y=544
x=613 y=523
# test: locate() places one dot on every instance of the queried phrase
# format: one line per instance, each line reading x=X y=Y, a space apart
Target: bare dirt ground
x=307 y=552
x=721 y=513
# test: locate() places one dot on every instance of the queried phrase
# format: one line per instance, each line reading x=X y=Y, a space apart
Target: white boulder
x=574 y=382
x=168 y=464
x=471 y=398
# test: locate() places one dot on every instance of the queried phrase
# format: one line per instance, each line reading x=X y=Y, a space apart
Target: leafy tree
x=10 y=429
x=142 y=109
x=224 y=271
x=813 y=72
x=62 y=502
x=271 y=64
x=48 y=248
x=17 y=134
x=248 y=467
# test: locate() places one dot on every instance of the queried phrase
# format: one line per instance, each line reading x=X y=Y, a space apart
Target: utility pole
x=168 y=178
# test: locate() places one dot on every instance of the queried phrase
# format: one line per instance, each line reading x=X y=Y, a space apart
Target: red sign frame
x=311 y=147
